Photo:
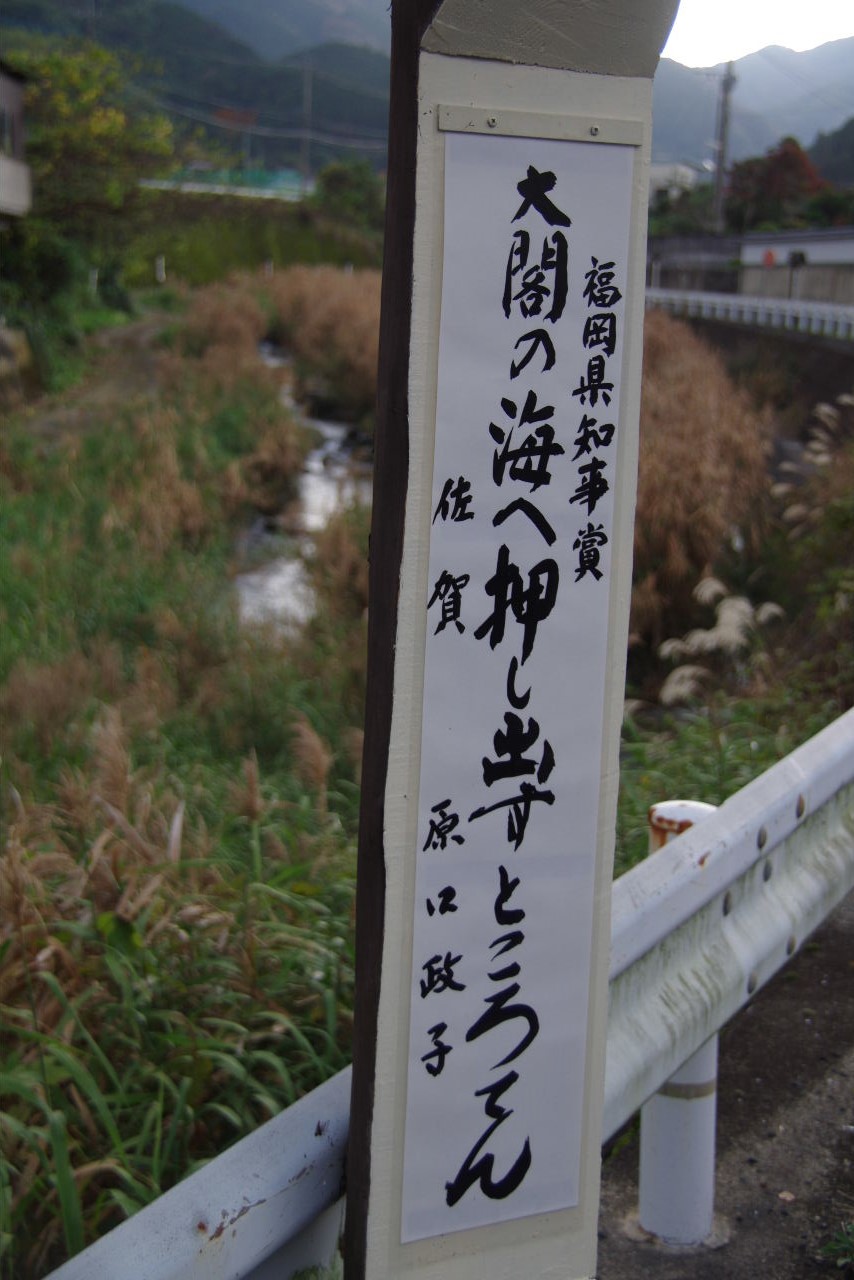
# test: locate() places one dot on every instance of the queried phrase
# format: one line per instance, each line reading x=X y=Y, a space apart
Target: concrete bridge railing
x=820 y=319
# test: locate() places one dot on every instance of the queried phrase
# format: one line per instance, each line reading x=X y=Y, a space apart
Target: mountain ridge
x=201 y=57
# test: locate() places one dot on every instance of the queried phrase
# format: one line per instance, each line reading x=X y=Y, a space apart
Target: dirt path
x=124 y=367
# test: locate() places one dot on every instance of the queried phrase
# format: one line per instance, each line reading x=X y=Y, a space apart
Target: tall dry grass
x=329 y=319
x=810 y=563
x=703 y=445
x=176 y=878
x=156 y=1001
x=702 y=474
x=227 y=319
x=336 y=636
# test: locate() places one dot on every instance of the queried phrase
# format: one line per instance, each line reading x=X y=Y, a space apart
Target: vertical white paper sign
x=530 y=355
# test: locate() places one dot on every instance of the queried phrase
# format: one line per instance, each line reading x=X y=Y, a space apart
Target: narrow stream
x=278 y=591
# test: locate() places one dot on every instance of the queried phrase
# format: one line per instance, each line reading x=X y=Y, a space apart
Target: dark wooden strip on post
x=410 y=18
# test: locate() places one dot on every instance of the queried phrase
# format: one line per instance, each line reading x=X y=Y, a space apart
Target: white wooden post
x=501 y=576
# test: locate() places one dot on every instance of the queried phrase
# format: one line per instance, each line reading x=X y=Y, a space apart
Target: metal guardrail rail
x=696 y=930
x=824 y=319
x=258 y=1210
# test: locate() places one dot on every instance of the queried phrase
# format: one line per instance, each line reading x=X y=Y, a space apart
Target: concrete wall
x=810 y=283
x=15 y=188
x=833 y=246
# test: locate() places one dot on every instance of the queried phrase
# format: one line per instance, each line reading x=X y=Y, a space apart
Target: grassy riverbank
x=178 y=796
x=179 y=793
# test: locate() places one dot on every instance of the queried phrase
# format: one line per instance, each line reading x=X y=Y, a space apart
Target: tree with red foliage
x=772 y=190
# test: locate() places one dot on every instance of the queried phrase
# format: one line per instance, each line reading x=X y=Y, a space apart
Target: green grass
x=335 y=1272
x=840 y=1248
x=706 y=753
x=203 y=237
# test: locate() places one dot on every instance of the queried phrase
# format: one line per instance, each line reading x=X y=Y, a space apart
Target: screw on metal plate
x=492 y=121
x=594 y=131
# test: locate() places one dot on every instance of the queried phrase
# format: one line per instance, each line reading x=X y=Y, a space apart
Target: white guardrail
x=825 y=319
x=696 y=930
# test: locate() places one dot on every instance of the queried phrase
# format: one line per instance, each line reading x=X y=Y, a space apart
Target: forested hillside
x=253 y=73
x=277 y=28
x=207 y=81
x=833 y=155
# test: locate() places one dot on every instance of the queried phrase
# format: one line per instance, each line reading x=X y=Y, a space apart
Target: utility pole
x=721 y=137
x=305 y=145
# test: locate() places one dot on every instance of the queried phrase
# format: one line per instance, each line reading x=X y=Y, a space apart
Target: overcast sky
x=710 y=31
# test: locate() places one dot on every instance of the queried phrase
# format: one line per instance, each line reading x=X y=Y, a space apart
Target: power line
x=168 y=93
x=811 y=91
x=364 y=141
x=294 y=134
x=261 y=64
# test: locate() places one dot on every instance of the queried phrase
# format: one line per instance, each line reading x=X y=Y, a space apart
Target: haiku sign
x=536 y=239
x=504 y=489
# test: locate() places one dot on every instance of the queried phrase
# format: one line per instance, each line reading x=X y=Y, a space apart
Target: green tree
x=352 y=192
x=86 y=148
x=830 y=208
x=684 y=213
x=833 y=154
x=772 y=190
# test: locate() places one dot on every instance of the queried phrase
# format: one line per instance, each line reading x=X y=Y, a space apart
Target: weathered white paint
x=676 y=1180
x=677 y=1153
x=280 y=1186
x=559 y=1244
x=700 y=926
x=605 y=37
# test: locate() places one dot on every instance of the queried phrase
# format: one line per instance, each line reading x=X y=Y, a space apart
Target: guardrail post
x=676 y=1199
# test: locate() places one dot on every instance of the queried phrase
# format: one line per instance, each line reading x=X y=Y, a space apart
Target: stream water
x=279 y=591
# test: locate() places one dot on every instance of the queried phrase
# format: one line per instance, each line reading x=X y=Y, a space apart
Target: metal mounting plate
x=536 y=124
